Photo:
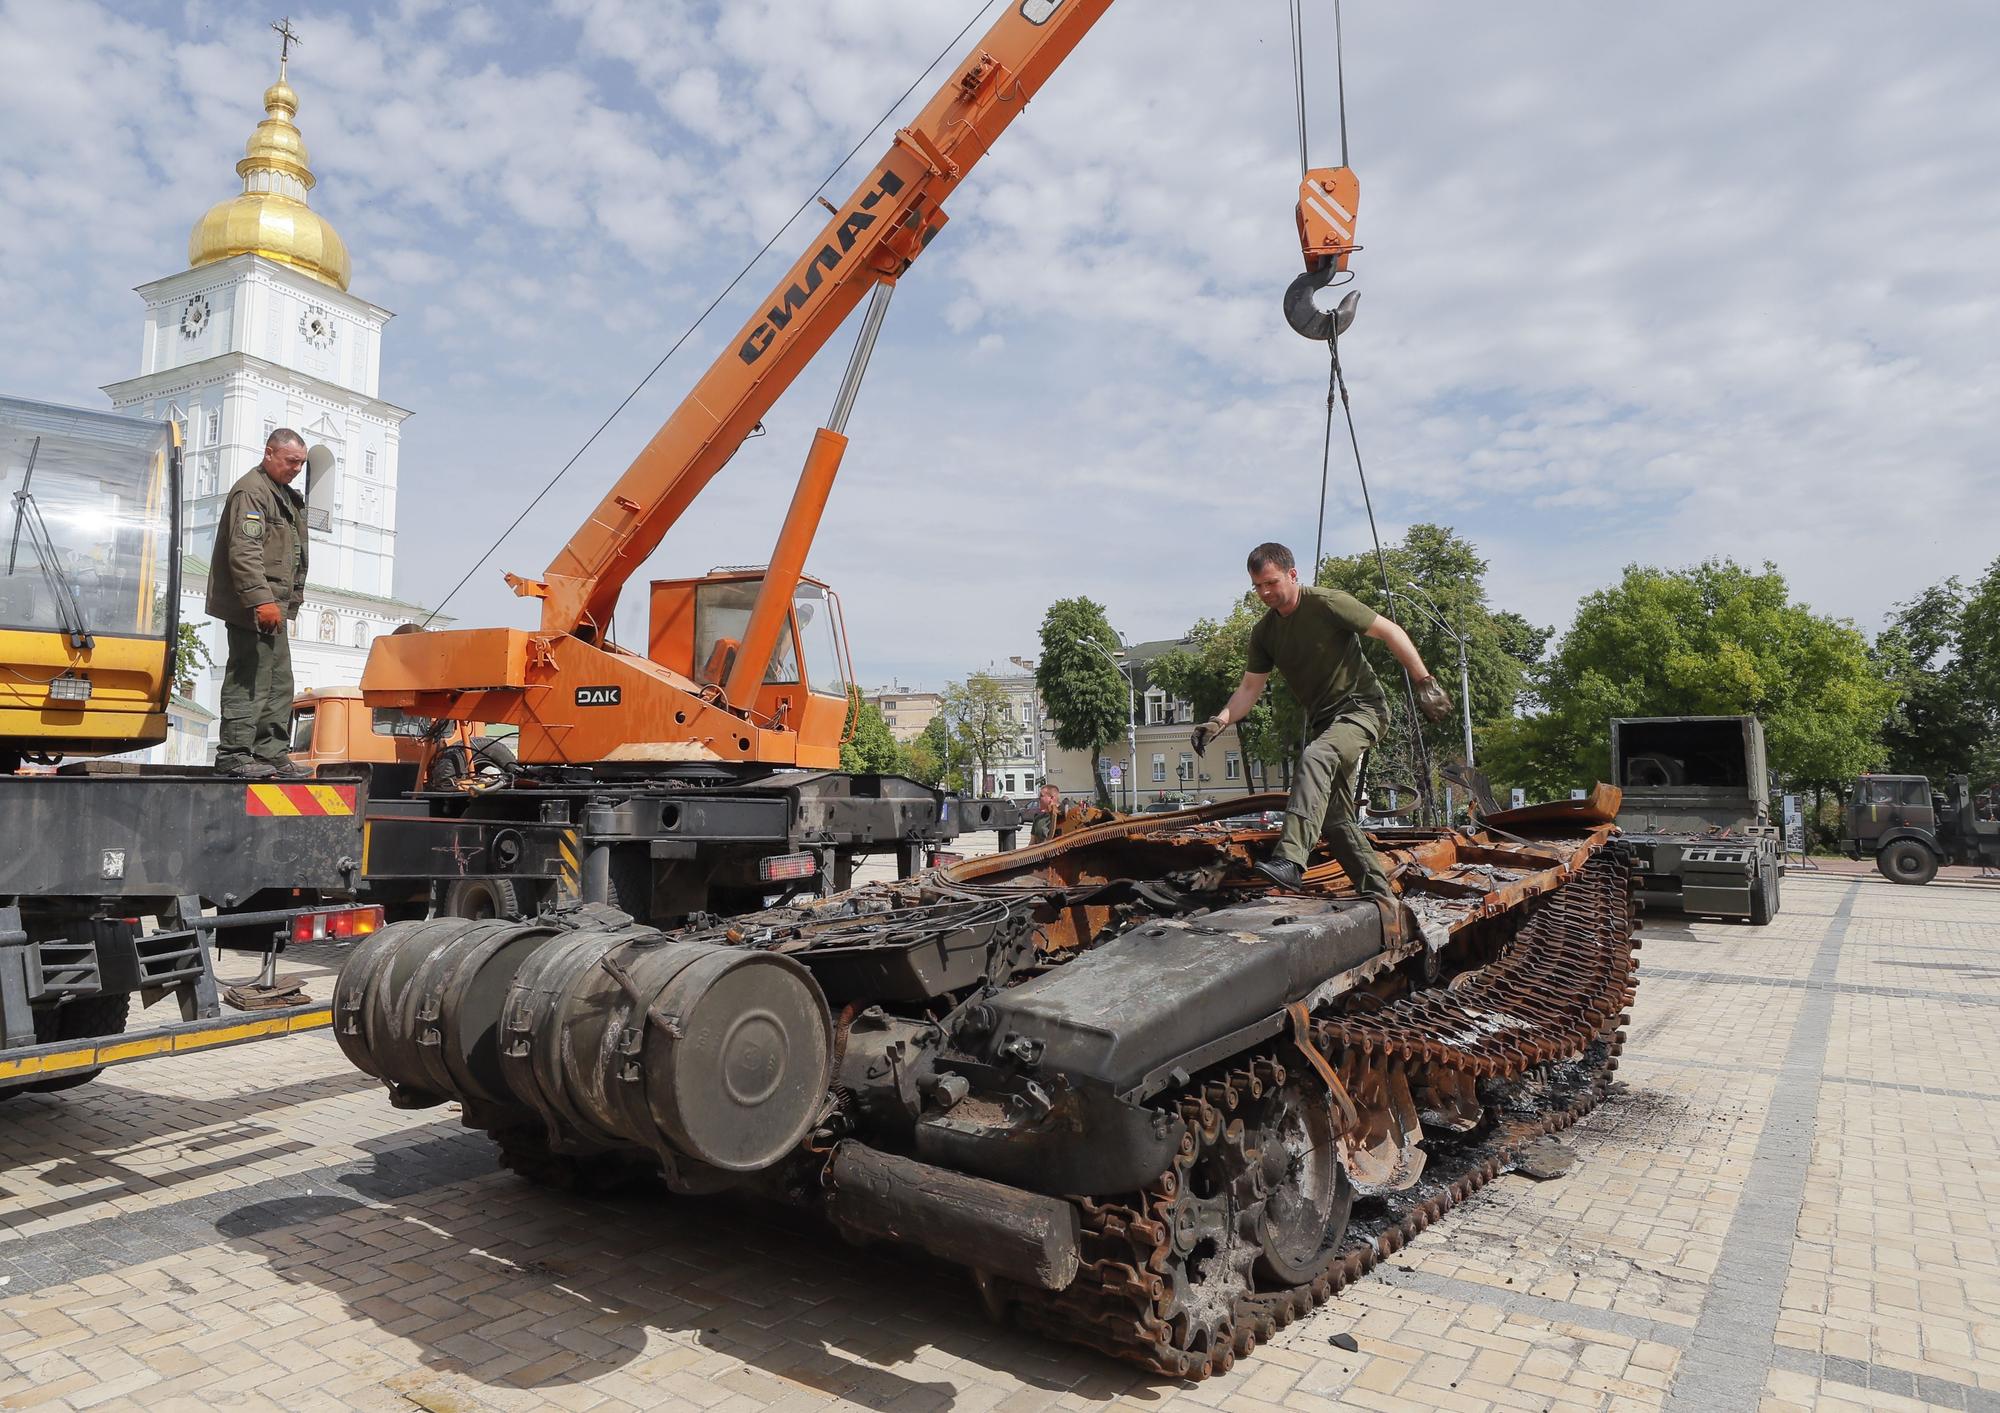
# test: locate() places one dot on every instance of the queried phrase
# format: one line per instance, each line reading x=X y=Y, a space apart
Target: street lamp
x=1131 y=717
x=1429 y=610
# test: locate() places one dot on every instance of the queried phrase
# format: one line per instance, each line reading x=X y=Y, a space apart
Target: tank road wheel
x=1209 y=1267
x=1907 y=861
x=1308 y=1197
x=1249 y=1208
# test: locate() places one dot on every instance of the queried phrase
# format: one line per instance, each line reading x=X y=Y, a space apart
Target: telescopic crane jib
x=751 y=667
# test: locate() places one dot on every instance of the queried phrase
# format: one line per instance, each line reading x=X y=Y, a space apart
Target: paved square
x=1787 y=1204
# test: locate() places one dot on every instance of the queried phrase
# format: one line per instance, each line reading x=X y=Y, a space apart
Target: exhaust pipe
x=968 y=1221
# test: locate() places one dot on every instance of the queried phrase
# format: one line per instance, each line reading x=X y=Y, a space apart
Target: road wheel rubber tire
x=480 y=898
x=1907 y=861
x=1763 y=900
x=80 y=1020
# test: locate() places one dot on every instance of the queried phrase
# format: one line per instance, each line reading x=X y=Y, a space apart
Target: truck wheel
x=480 y=898
x=81 y=1020
x=1763 y=900
x=1907 y=861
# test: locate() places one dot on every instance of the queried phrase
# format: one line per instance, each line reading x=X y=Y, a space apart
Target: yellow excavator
x=89 y=581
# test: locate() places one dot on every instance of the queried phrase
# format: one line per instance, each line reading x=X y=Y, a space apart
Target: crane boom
x=725 y=675
x=871 y=237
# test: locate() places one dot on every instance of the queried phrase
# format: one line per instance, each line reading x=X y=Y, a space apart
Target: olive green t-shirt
x=1318 y=649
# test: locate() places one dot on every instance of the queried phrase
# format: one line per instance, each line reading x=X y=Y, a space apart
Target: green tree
x=1946 y=720
x=1713 y=640
x=1979 y=650
x=190 y=652
x=190 y=656
x=920 y=762
x=1081 y=690
x=982 y=718
x=1204 y=672
x=1438 y=582
x=871 y=748
x=928 y=759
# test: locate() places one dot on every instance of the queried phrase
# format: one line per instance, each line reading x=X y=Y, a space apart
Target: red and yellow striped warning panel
x=290 y=801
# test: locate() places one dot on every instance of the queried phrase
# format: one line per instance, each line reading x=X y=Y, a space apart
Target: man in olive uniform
x=1313 y=636
x=1048 y=803
x=256 y=581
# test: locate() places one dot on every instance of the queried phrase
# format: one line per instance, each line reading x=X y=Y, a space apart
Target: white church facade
x=260 y=332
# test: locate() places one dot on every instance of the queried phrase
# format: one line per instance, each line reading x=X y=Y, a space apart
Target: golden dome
x=271 y=217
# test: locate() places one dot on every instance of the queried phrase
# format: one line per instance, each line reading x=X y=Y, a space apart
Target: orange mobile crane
x=701 y=776
x=736 y=664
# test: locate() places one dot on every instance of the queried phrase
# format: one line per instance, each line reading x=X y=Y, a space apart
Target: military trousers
x=256 y=699
x=1322 y=798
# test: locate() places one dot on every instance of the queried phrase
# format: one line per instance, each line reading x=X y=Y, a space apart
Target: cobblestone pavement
x=1787 y=1205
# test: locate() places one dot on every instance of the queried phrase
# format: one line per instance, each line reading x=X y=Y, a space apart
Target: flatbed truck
x=120 y=878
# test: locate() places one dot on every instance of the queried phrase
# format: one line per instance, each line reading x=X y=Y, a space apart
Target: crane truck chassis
x=98 y=848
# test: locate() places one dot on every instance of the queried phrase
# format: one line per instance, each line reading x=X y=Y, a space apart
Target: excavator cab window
x=86 y=506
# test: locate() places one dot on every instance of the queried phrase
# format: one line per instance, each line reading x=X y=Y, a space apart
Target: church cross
x=287 y=37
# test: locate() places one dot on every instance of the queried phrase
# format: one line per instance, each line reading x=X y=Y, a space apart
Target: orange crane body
x=715 y=683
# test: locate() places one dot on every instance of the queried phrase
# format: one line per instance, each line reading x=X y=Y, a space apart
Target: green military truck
x=1911 y=829
x=1697 y=813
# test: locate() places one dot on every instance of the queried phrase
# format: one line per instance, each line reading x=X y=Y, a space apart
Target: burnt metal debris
x=1151 y=1104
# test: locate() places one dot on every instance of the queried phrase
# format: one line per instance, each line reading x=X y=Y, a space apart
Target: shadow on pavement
x=508 y=1286
x=90 y=1128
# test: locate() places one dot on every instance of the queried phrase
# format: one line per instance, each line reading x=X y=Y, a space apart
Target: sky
x=1638 y=284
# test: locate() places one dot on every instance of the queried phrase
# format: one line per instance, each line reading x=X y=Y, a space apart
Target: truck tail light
x=781 y=867
x=336 y=925
x=944 y=858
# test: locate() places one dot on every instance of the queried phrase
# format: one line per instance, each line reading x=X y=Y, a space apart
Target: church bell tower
x=260 y=331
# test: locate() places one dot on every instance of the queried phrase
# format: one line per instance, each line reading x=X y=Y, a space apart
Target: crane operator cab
x=698 y=628
x=89 y=580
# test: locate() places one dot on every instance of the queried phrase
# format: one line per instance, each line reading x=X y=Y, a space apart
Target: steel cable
x=688 y=333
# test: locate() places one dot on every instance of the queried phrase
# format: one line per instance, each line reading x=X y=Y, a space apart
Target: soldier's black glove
x=1432 y=701
x=1205 y=733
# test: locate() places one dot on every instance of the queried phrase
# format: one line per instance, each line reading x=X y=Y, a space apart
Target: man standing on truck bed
x=1313 y=636
x=256 y=581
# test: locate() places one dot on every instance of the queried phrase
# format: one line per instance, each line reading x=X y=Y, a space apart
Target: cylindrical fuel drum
x=617 y=1036
x=721 y=1054
x=418 y=1004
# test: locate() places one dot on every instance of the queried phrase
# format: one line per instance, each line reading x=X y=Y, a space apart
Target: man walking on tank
x=256 y=581
x=1313 y=636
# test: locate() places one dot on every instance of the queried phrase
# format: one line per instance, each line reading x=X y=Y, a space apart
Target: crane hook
x=1308 y=318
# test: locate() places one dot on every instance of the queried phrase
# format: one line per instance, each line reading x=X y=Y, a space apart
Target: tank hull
x=1150 y=1103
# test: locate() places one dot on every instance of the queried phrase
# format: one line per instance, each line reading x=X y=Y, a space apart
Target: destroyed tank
x=1148 y=1102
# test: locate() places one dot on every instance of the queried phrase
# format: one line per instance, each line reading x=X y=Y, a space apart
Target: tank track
x=1539 y=1026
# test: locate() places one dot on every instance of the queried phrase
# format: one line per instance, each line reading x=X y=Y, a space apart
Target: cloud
x=1636 y=286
